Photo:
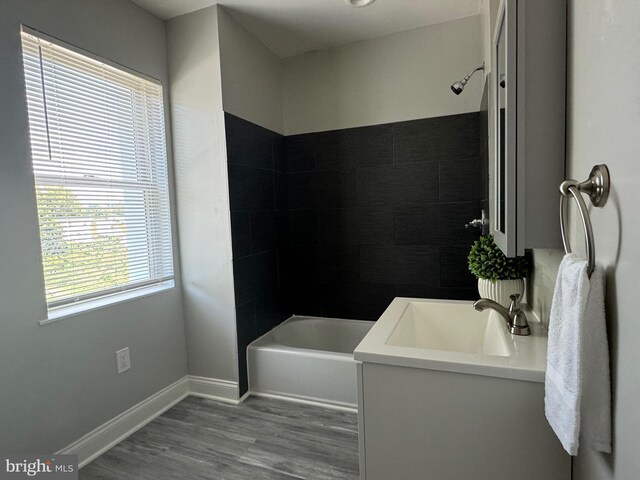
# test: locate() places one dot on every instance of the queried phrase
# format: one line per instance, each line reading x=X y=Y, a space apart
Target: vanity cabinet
x=420 y=424
x=445 y=392
x=528 y=123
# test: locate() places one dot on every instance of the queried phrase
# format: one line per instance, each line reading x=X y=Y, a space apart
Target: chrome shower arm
x=468 y=76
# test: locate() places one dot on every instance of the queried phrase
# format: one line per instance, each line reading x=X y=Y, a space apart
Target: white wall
x=202 y=193
x=59 y=381
x=251 y=76
x=399 y=77
x=603 y=125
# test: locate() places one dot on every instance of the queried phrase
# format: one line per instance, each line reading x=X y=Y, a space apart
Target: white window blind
x=100 y=165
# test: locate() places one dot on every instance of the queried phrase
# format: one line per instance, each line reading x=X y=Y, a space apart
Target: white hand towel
x=577 y=387
x=563 y=379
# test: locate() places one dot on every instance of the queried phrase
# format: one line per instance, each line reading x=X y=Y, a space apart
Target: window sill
x=59 y=313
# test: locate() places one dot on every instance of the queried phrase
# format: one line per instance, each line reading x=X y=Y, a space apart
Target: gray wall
x=602 y=127
x=251 y=76
x=59 y=381
x=404 y=76
x=542 y=281
x=407 y=77
x=202 y=193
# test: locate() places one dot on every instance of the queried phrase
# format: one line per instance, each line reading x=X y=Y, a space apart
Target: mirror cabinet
x=528 y=123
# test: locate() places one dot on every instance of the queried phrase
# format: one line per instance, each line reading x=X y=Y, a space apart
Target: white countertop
x=526 y=361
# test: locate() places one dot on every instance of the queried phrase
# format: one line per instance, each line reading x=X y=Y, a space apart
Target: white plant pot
x=500 y=290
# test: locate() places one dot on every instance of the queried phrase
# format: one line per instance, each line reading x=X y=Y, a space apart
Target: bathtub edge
x=306 y=401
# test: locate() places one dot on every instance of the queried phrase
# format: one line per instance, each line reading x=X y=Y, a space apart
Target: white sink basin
x=450 y=327
x=450 y=335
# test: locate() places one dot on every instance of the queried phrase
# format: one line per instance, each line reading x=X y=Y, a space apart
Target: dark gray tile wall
x=259 y=228
x=378 y=212
x=338 y=223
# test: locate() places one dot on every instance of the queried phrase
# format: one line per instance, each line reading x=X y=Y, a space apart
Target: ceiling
x=291 y=27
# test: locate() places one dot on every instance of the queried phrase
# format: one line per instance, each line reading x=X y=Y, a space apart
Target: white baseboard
x=215 y=389
x=112 y=432
x=246 y=395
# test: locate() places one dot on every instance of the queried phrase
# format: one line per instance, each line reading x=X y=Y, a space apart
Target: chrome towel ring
x=596 y=187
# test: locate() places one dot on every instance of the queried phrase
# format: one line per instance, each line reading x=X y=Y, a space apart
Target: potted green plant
x=498 y=275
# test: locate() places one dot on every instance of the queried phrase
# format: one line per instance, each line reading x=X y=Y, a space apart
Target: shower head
x=457 y=87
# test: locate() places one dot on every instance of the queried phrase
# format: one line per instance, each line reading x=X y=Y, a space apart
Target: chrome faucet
x=516 y=319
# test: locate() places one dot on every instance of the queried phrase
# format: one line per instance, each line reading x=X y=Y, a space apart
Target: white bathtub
x=309 y=359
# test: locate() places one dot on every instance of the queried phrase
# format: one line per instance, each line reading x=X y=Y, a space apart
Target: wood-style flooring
x=261 y=439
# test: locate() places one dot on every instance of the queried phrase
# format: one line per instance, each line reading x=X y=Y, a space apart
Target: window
x=100 y=166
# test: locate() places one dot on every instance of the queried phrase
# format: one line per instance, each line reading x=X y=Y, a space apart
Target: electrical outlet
x=123 y=360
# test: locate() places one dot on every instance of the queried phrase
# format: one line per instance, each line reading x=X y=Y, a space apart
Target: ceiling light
x=359 y=3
